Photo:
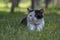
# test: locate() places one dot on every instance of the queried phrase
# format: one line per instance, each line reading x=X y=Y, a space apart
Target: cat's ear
x=42 y=10
x=29 y=10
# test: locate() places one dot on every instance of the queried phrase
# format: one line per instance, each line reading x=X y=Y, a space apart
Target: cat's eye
x=30 y=15
x=35 y=15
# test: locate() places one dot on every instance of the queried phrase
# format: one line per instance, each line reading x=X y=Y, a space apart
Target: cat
x=34 y=20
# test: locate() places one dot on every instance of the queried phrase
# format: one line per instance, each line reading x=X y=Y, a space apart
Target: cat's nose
x=32 y=19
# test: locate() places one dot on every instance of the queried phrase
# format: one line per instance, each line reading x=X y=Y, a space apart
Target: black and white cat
x=34 y=20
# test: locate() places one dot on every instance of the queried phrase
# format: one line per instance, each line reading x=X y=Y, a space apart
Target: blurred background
x=12 y=11
x=18 y=5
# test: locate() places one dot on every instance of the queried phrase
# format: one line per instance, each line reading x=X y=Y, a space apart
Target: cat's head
x=38 y=13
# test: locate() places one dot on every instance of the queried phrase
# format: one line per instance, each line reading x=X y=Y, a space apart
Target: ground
x=11 y=29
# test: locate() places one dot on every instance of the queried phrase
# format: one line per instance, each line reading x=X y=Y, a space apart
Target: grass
x=11 y=29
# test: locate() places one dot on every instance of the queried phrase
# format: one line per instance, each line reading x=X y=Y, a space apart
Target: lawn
x=11 y=29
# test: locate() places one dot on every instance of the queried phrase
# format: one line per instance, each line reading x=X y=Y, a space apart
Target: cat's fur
x=34 y=20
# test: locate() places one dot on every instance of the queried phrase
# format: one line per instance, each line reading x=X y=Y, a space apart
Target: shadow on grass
x=52 y=21
x=4 y=13
x=53 y=17
x=12 y=19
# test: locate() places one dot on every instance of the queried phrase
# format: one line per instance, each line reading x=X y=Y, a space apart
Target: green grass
x=11 y=29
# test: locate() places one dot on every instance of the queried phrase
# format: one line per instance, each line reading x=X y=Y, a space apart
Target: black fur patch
x=38 y=14
x=24 y=21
